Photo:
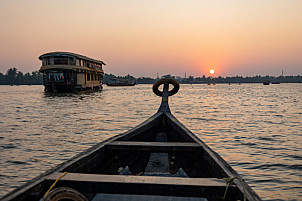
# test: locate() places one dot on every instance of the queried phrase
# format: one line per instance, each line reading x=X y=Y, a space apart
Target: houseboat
x=70 y=72
x=121 y=82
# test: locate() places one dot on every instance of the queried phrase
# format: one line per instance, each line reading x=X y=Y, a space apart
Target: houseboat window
x=88 y=77
x=78 y=62
x=61 y=61
x=57 y=77
x=51 y=61
x=45 y=62
x=71 y=61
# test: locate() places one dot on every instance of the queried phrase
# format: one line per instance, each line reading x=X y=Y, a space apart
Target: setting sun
x=212 y=71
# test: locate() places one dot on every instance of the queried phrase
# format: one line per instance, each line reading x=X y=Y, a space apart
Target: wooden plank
x=210 y=188
x=100 y=178
x=153 y=146
x=123 y=197
x=158 y=162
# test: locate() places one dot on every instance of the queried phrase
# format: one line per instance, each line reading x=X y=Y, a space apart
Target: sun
x=212 y=71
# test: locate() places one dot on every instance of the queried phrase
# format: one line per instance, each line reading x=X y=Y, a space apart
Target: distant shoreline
x=180 y=83
x=207 y=80
x=15 y=77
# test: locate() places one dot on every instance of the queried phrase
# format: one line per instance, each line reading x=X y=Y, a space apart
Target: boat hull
x=160 y=158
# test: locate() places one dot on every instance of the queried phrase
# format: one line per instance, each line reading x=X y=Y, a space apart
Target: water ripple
x=256 y=128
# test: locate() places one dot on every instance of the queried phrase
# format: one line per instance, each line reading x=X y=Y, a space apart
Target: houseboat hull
x=65 y=80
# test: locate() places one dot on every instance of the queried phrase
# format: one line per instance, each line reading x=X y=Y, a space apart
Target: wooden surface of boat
x=160 y=159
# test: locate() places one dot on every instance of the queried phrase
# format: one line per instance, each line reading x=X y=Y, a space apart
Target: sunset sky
x=146 y=37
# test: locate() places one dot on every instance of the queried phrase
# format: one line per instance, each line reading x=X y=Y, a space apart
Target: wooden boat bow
x=160 y=159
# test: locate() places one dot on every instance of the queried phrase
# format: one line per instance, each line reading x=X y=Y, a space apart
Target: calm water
x=256 y=128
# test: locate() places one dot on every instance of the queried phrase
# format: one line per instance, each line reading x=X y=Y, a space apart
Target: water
x=255 y=128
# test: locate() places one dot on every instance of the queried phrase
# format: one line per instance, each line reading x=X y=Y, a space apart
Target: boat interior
x=160 y=155
x=133 y=154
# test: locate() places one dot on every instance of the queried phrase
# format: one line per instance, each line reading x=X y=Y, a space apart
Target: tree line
x=241 y=79
x=204 y=79
x=15 y=77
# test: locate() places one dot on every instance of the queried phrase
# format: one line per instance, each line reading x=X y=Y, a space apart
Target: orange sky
x=143 y=37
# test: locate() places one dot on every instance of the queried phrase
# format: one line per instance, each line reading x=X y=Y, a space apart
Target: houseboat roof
x=72 y=55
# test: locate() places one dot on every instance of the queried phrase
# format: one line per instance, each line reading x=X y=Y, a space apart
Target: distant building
x=178 y=78
x=167 y=76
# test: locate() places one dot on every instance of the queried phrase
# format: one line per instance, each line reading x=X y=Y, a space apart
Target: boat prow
x=160 y=159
